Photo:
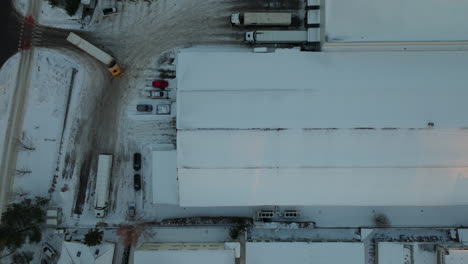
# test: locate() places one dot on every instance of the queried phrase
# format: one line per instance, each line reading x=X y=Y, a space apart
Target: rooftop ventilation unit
x=291 y=214
x=265 y=214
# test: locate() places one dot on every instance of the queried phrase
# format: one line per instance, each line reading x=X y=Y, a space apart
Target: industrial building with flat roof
x=343 y=128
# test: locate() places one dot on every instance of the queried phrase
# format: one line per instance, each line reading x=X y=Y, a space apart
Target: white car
x=157 y=94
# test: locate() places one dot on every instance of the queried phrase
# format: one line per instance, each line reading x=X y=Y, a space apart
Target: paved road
x=9 y=31
x=15 y=120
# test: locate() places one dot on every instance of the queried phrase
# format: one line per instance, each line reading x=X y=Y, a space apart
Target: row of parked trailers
x=310 y=35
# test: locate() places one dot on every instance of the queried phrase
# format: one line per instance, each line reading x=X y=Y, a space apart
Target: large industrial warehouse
x=396 y=136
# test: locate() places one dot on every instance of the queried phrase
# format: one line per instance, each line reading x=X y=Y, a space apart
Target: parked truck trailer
x=101 y=194
x=96 y=53
x=283 y=36
x=261 y=19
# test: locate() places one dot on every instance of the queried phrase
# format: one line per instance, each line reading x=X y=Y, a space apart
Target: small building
x=53 y=217
x=79 y=253
x=421 y=253
x=452 y=254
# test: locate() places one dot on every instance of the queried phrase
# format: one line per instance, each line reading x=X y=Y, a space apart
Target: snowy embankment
x=58 y=18
x=8 y=74
x=21 y=6
x=56 y=82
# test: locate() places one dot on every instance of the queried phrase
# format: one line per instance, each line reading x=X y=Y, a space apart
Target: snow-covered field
x=53 y=86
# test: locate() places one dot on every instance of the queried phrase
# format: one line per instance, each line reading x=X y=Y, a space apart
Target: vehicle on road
x=109 y=11
x=160 y=84
x=137 y=182
x=283 y=36
x=101 y=193
x=144 y=108
x=96 y=53
x=48 y=250
x=137 y=161
x=131 y=209
x=261 y=19
x=157 y=94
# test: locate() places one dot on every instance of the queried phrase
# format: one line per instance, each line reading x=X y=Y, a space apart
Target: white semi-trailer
x=283 y=36
x=96 y=53
x=261 y=19
x=101 y=194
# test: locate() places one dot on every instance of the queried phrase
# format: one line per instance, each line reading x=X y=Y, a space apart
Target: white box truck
x=283 y=36
x=261 y=19
x=101 y=194
x=96 y=53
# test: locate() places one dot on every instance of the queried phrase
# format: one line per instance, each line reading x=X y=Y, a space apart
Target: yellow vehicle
x=96 y=53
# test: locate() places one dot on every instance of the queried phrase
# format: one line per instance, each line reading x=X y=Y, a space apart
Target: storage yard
x=239 y=131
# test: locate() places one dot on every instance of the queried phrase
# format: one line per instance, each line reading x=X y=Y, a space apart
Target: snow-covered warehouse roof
x=341 y=128
x=396 y=20
x=75 y=252
x=184 y=256
x=304 y=253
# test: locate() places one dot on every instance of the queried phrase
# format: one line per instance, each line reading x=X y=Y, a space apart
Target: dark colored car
x=144 y=108
x=160 y=84
x=109 y=11
x=137 y=161
x=137 y=182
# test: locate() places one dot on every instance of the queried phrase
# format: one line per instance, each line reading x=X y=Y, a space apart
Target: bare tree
x=25 y=143
x=22 y=171
x=19 y=193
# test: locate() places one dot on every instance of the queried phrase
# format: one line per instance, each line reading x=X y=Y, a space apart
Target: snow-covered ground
x=8 y=74
x=57 y=17
x=21 y=5
x=53 y=86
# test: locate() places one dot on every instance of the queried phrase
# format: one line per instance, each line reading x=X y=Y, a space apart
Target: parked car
x=48 y=250
x=131 y=209
x=137 y=182
x=137 y=161
x=157 y=94
x=144 y=108
x=160 y=84
x=109 y=11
